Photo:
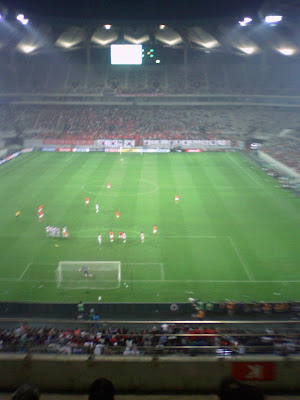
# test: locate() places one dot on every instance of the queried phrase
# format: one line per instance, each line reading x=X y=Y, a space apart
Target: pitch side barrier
x=14 y=155
x=191 y=311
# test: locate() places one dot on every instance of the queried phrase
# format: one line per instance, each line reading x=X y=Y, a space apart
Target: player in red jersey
x=40 y=208
x=117 y=215
x=176 y=198
x=111 y=236
x=108 y=186
x=154 y=230
x=87 y=200
x=120 y=235
x=41 y=215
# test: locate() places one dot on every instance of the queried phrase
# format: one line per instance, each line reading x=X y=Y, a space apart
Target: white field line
x=250 y=176
x=25 y=270
x=262 y=187
x=17 y=280
x=143 y=263
x=96 y=234
x=16 y=165
x=69 y=158
x=235 y=248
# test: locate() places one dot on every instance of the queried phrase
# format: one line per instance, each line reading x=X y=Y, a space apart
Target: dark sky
x=135 y=9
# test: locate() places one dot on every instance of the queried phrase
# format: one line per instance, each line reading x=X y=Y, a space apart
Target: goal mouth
x=89 y=275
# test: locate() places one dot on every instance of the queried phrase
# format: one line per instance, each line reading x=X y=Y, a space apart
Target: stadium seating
x=204 y=75
x=166 y=339
x=149 y=122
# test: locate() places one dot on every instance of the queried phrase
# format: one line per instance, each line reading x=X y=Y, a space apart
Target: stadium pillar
x=185 y=64
x=88 y=56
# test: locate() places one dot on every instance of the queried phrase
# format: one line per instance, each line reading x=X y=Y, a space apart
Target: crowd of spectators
x=128 y=122
x=200 y=76
x=167 y=339
x=139 y=123
x=116 y=122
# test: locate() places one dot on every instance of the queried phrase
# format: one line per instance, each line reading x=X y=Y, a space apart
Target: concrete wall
x=138 y=374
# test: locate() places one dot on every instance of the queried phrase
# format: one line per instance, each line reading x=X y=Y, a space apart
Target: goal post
x=88 y=275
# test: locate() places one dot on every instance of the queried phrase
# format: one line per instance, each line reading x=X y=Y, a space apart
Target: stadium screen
x=126 y=54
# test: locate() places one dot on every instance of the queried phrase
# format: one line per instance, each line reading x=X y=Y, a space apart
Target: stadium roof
x=209 y=35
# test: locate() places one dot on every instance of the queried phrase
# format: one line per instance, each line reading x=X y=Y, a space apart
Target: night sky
x=135 y=9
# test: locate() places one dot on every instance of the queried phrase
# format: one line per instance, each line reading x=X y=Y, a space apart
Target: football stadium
x=150 y=175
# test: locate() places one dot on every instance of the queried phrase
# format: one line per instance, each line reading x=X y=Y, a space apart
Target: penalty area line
x=25 y=270
x=248 y=273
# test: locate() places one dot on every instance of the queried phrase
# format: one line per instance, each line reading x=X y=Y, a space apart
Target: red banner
x=253 y=371
x=193 y=150
x=64 y=149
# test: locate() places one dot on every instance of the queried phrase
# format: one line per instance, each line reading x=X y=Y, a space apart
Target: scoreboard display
x=126 y=54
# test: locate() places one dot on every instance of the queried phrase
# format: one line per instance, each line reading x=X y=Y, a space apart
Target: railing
x=148 y=99
x=219 y=351
x=226 y=339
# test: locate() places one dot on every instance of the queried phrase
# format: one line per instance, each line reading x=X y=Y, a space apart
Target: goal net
x=88 y=275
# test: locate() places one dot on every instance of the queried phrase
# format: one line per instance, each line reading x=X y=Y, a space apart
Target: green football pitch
x=234 y=234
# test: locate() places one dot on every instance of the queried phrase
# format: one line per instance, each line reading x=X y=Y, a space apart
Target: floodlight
x=247 y=50
x=286 y=52
x=273 y=19
x=161 y=27
x=245 y=21
x=22 y=19
x=28 y=49
x=211 y=44
x=107 y=26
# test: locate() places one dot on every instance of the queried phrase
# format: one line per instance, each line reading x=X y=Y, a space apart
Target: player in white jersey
x=99 y=239
x=124 y=237
x=51 y=231
x=97 y=208
x=142 y=237
x=121 y=161
x=48 y=228
x=65 y=232
x=57 y=231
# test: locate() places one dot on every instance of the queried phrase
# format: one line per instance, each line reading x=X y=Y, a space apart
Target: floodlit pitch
x=233 y=233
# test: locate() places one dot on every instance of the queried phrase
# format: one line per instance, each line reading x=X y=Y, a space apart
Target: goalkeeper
x=85 y=271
